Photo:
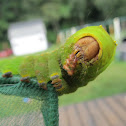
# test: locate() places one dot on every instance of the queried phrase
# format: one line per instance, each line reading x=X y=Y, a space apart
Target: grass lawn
x=110 y=82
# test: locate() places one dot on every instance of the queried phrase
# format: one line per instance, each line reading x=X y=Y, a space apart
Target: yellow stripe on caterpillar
x=41 y=81
x=6 y=71
x=115 y=43
x=54 y=74
x=26 y=75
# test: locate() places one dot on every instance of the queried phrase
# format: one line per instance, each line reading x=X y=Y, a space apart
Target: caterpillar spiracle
x=81 y=59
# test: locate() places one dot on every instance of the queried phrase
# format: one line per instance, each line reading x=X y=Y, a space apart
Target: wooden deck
x=109 y=111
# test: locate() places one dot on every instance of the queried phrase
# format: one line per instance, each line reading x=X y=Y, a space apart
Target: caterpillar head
x=90 y=51
x=86 y=49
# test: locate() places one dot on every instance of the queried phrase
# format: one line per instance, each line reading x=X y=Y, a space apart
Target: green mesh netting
x=26 y=104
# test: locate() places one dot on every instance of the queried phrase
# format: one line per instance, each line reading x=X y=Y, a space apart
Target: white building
x=27 y=37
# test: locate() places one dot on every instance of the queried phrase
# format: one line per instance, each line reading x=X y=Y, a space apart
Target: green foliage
x=51 y=36
x=58 y=13
x=9 y=12
x=111 y=8
x=52 y=12
x=78 y=9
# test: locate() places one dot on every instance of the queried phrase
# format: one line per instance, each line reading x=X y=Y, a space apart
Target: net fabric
x=26 y=104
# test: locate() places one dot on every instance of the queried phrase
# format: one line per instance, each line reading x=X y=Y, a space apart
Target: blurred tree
x=78 y=8
x=52 y=12
x=58 y=13
x=31 y=9
x=111 y=8
x=9 y=12
x=92 y=13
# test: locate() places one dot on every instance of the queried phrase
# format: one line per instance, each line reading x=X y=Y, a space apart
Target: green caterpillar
x=81 y=59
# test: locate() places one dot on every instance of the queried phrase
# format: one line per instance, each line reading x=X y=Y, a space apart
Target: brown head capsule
x=86 y=48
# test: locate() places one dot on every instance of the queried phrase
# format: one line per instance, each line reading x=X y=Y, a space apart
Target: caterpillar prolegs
x=84 y=56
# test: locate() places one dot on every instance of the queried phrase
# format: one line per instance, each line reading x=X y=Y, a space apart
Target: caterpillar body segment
x=26 y=68
x=41 y=69
x=11 y=64
x=84 y=56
